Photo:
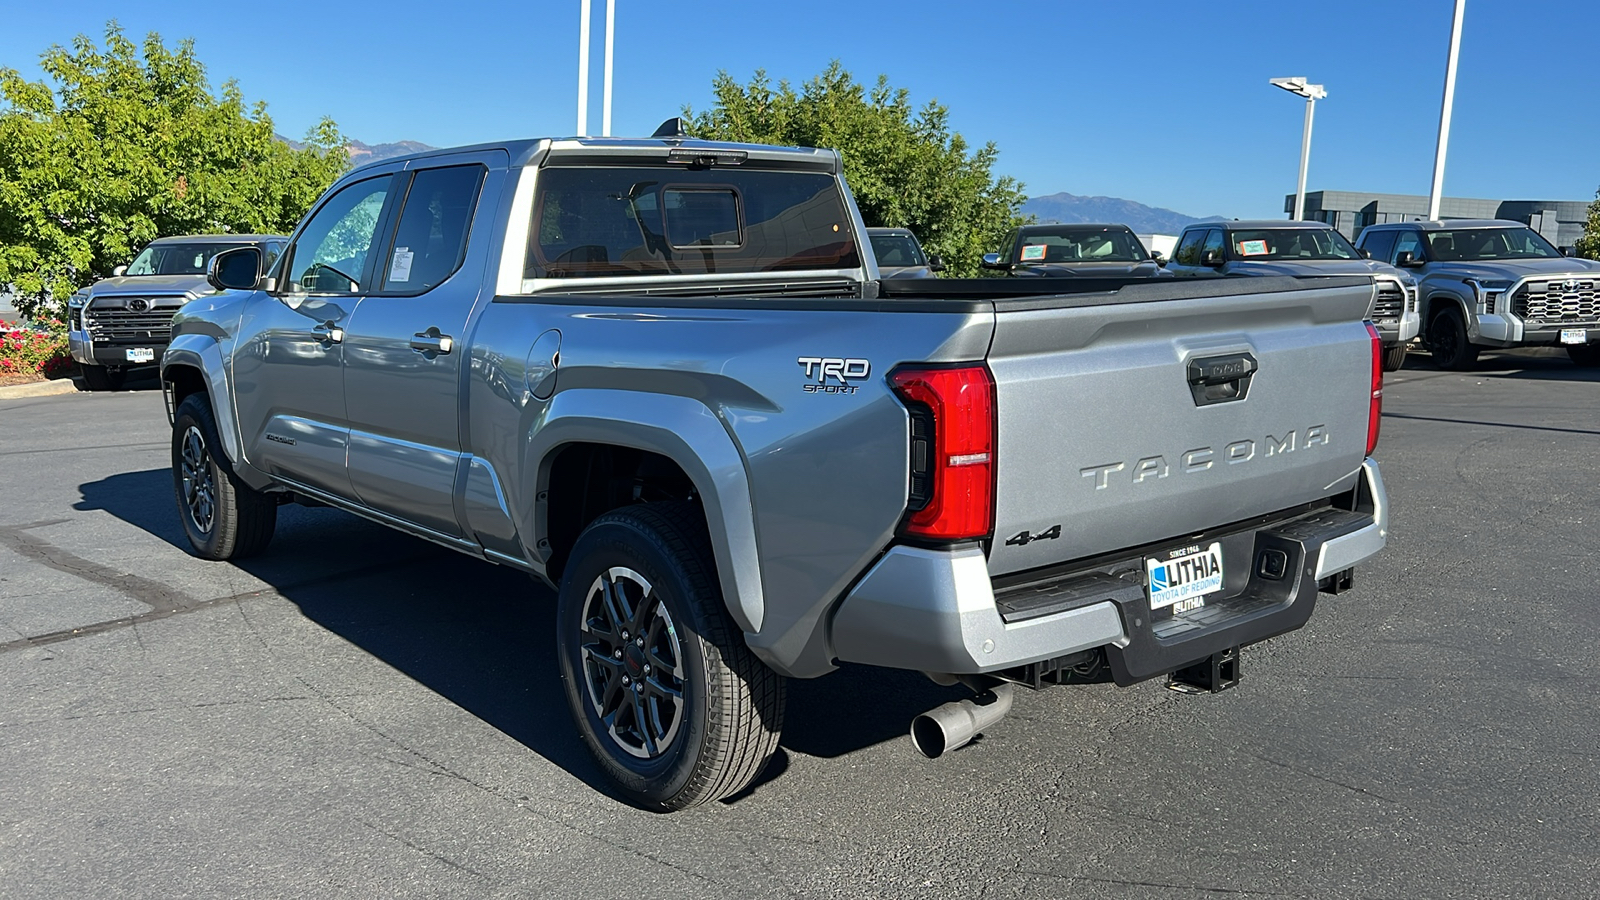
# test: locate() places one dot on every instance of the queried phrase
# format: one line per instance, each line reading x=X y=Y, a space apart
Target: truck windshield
x=176 y=259
x=596 y=222
x=897 y=250
x=1075 y=245
x=1489 y=243
x=1290 y=243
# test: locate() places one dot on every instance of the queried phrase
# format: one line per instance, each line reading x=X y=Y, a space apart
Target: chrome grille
x=125 y=326
x=1558 y=300
x=1389 y=302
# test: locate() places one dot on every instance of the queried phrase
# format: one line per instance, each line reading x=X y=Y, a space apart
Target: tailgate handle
x=1221 y=379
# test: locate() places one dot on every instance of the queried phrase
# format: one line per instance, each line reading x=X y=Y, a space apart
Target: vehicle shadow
x=481 y=635
x=1532 y=364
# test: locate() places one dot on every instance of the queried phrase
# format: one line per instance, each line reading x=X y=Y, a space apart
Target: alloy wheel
x=199 y=481
x=632 y=663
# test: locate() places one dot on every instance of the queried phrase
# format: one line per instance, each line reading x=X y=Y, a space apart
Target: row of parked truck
x=1462 y=285
x=668 y=378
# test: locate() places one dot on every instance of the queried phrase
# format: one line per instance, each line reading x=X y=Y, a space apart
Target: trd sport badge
x=842 y=371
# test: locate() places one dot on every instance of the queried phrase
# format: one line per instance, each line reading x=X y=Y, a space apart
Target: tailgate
x=1101 y=432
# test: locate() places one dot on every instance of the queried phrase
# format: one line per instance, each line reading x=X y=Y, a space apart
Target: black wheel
x=674 y=706
x=1394 y=356
x=223 y=517
x=1447 y=340
x=1585 y=355
x=102 y=378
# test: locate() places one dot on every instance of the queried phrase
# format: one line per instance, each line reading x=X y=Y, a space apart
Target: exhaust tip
x=927 y=736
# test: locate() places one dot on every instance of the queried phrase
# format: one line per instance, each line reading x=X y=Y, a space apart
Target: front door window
x=330 y=256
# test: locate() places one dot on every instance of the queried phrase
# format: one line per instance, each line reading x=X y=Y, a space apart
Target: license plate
x=1184 y=576
x=141 y=354
x=1574 y=335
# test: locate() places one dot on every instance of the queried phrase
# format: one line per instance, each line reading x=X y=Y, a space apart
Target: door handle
x=329 y=333
x=431 y=341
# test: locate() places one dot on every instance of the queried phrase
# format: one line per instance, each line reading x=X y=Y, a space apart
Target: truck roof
x=216 y=238
x=1456 y=224
x=1259 y=224
x=524 y=150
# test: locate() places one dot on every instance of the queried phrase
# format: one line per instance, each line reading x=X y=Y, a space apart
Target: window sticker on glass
x=400 y=268
x=1253 y=248
x=1033 y=253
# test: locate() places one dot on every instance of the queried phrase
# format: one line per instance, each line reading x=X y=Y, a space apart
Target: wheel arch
x=594 y=442
x=191 y=364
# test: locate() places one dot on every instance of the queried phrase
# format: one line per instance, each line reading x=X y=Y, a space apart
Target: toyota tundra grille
x=1389 y=303
x=126 y=326
x=1558 y=300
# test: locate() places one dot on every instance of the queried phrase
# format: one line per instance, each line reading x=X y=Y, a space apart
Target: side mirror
x=119 y=271
x=935 y=263
x=1157 y=258
x=1405 y=259
x=992 y=261
x=1568 y=251
x=1211 y=258
x=1365 y=253
x=238 y=269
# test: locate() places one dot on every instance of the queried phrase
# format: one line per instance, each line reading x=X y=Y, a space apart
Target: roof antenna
x=674 y=127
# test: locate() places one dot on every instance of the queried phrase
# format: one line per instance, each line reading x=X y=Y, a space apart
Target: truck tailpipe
x=954 y=725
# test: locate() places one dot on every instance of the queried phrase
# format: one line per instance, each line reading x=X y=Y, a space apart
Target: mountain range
x=1068 y=208
x=361 y=154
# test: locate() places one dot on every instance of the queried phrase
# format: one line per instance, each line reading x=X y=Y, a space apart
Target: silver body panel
x=803 y=490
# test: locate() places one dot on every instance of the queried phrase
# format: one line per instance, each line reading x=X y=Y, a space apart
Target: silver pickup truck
x=1491 y=283
x=663 y=376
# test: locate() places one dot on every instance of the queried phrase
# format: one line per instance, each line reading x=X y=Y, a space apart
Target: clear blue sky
x=1166 y=103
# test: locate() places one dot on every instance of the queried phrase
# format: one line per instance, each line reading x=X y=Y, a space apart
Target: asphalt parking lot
x=361 y=714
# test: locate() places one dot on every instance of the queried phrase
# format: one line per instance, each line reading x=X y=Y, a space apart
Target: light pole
x=605 y=104
x=1312 y=93
x=583 y=68
x=1437 y=193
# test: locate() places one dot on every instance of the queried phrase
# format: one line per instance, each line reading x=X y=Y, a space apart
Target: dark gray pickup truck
x=664 y=377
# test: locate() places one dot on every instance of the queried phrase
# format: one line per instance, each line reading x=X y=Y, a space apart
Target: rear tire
x=1447 y=340
x=1584 y=355
x=102 y=378
x=223 y=517
x=679 y=712
x=1394 y=356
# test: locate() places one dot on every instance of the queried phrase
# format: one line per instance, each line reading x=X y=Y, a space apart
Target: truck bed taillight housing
x=952 y=451
x=1375 y=412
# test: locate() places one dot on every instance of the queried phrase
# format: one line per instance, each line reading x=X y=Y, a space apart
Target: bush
x=39 y=350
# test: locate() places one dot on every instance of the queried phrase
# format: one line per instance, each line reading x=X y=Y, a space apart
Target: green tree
x=130 y=144
x=1588 y=246
x=905 y=166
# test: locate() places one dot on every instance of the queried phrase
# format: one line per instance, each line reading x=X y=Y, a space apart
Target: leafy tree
x=130 y=144
x=906 y=167
x=1588 y=246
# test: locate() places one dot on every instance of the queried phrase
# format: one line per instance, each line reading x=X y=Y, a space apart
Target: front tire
x=1394 y=356
x=1447 y=340
x=1584 y=355
x=223 y=517
x=673 y=705
x=102 y=378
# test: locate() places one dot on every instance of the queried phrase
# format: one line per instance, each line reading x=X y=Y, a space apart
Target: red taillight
x=957 y=474
x=1375 y=414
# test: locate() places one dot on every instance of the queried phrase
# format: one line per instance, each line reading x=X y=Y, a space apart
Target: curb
x=39 y=389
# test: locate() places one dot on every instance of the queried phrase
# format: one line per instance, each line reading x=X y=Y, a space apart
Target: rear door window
x=595 y=222
x=1378 y=244
x=1188 y=252
x=431 y=236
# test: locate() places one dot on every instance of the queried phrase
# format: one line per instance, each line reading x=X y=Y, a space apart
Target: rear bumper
x=937 y=610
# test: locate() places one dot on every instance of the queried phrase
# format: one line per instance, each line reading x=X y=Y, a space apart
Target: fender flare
x=685 y=431
x=1446 y=296
x=202 y=353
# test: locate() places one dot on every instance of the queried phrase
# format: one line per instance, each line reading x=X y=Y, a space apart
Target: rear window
x=615 y=221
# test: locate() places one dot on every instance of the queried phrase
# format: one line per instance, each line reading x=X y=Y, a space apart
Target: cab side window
x=1188 y=252
x=1409 y=241
x=431 y=238
x=330 y=255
